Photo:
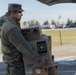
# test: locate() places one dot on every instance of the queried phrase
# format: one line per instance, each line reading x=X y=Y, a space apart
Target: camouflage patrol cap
x=15 y=7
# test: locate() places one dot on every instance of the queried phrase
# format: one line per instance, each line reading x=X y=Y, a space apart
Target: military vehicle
x=52 y=2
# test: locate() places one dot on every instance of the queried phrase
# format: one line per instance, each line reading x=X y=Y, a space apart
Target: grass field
x=61 y=36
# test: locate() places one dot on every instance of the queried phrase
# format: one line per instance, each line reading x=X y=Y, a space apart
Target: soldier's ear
x=12 y=13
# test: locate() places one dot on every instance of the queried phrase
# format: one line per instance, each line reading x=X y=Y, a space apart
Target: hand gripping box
x=32 y=33
x=42 y=47
x=48 y=70
x=52 y=70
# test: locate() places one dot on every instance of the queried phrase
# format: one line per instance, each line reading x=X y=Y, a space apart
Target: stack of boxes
x=41 y=43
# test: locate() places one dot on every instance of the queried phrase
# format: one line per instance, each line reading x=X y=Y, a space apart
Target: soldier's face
x=17 y=16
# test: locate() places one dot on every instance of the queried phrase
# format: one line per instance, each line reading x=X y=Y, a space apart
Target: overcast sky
x=35 y=10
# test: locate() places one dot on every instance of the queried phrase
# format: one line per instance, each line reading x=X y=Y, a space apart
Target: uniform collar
x=13 y=21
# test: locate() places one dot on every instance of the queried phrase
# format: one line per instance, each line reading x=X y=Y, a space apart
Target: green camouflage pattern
x=15 y=68
x=13 y=43
x=3 y=19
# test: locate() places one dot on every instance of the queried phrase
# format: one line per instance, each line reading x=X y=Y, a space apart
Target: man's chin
x=18 y=19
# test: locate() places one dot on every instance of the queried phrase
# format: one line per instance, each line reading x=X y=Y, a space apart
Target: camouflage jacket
x=3 y=18
x=14 y=44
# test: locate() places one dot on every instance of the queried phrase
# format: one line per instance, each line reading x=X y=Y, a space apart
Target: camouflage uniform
x=13 y=45
x=15 y=68
x=3 y=18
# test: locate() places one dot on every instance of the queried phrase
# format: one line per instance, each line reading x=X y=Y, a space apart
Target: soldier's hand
x=43 y=62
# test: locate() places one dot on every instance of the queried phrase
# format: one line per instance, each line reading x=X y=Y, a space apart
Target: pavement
x=64 y=57
x=64 y=68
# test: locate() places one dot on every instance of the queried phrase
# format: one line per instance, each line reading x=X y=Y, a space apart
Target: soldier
x=3 y=18
x=14 y=44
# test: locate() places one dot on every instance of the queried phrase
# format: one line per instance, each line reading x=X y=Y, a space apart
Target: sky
x=34 y=10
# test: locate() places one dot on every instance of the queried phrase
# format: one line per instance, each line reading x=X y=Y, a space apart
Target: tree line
x=53 y=22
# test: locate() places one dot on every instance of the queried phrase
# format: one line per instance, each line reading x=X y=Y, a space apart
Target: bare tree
x=46 y=22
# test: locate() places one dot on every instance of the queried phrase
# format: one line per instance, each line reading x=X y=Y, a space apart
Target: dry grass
x=62 y=36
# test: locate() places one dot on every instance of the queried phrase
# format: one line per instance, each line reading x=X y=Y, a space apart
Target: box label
x=41 y=47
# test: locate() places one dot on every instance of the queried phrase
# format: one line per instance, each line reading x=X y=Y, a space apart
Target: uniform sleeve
x=1 y=21
x=17 y=39
x=3 y=18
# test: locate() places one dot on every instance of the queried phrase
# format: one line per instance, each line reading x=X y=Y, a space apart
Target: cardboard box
x=48 y=70
x=42 y=47
x=32 y=33
x=52 y=70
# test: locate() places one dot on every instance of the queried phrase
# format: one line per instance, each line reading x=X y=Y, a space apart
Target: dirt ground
x=64 y=52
